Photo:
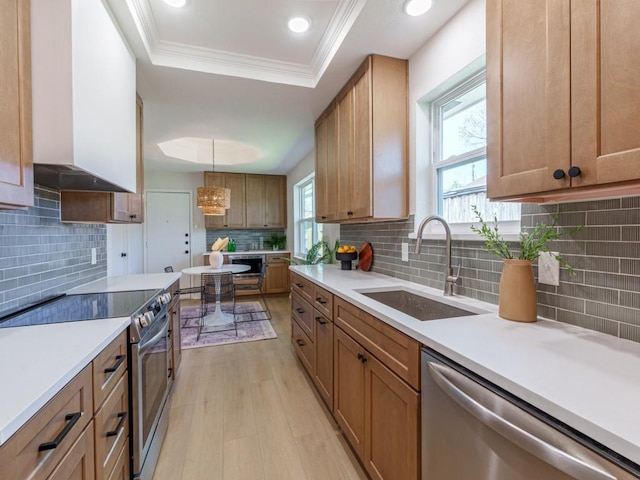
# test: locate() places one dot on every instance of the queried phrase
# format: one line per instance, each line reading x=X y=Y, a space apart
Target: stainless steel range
x=149 y=381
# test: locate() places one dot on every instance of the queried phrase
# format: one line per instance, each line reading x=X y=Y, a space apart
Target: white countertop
x=589 y=380
x=252 y=252
x=123 y=283
x=37 y=361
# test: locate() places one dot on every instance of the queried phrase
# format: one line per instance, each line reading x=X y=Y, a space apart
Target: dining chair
x=257 y=314
x=215 y=288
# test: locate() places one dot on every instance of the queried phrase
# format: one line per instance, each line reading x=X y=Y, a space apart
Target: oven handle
x=142 y=347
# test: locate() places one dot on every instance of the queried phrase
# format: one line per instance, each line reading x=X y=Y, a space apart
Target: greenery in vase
x=532 y=243
x=276 y=241
x=320 y=252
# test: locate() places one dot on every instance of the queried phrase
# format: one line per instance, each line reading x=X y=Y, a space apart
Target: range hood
x=84 y=98
x=64 y=177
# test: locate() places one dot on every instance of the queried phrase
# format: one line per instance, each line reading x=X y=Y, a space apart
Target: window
x=459 y=140
x=307 y=230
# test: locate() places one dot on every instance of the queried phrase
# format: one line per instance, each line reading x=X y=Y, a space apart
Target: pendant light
x=213 y=200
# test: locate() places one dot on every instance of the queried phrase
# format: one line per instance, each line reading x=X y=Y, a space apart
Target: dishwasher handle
x=443 y=375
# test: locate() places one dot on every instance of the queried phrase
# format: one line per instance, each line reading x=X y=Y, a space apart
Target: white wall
x=454 y=52
x=303 y=169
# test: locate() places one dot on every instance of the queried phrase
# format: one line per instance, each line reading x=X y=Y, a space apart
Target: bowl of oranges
x=346 y=254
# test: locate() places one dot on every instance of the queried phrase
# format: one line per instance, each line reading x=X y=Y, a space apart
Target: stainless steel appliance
x=254 y=261
x=472 y=429
x=150 y=383
x=148 y=357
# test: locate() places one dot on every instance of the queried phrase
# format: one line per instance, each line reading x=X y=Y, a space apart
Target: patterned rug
x=247 y=331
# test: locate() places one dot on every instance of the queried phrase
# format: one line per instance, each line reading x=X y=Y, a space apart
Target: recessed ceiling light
x=299 y=24
x=417 y=7
x=176 y=3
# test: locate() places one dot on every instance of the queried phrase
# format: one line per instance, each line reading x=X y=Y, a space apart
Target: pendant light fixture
x=213 y=200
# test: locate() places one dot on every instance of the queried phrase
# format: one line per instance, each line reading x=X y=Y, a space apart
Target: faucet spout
x=449 y=278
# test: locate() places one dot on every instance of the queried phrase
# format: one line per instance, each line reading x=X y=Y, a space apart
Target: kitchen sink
x=417 y=306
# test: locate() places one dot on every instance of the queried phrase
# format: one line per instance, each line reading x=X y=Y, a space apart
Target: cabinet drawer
x=303 y=286
x=323 y=301
x=303 y=346
x=61 y=421
x=112 y=429
x=302 y=311
x=121 y=469
x=397 y=351
x=108 y=367
x=78 y=462
x=277 y=258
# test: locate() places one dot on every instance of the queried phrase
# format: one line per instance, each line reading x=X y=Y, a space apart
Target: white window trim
x=425 y=170
x=297 y=200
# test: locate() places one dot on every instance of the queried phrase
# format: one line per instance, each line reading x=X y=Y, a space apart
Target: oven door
x=150 y=387
x=254 y=261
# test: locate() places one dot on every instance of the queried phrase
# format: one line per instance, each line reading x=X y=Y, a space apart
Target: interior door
x=168 y=231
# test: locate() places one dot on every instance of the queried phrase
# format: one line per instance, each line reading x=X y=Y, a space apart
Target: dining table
x=218 y=318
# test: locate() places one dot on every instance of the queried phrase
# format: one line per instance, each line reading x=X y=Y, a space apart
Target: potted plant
x=320 y=252
x=276 y=241
x=517 y=299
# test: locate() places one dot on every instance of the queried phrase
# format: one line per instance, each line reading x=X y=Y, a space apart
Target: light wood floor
x=249 y=411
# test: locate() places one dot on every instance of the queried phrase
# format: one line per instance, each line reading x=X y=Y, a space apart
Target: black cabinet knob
x=558 y=174
x=186 y=251
x=133 y=216
x=349 y=213
x=574 y=172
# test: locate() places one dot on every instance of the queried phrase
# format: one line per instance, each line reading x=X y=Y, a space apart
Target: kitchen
x=602 y=296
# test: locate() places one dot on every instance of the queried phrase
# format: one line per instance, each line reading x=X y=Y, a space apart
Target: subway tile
x=618 y=282
x=603 y=325
x=631 y=202
x=630 y=332
x=614 y=217
x=630 y=299
x=613 y=312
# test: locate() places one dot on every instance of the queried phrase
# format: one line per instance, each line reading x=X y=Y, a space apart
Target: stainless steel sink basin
x=417 y=306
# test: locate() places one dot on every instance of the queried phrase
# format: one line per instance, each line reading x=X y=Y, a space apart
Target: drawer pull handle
x=362 y=358
x=71 y=419
x=119 y=360
x=299 y=285
x=169 y=372
x=300 y=342
x=300 y=311
x=122 y=416
x=321 y=321
x=321 y=301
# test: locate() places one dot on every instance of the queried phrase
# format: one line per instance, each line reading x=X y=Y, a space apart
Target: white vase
x=216 y=259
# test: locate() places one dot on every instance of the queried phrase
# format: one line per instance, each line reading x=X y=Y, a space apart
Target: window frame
x=316 y=228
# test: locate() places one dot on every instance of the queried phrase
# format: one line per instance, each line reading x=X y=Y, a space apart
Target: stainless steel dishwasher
x=473 y=430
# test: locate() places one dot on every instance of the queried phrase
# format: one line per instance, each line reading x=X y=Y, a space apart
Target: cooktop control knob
x=150 y=316
x=142 y=320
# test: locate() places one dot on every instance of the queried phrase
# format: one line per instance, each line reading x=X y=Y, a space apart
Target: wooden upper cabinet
x=109 y=207
x=236 y=214
x=562 y=99
x=365 y=163
x=16 y=153
x=266 y=201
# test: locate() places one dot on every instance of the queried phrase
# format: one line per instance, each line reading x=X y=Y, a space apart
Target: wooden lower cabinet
x=121 y=469
x=277 y=278
x=323 y=352
x=303 y=346
x=349 y=382
x=78 y=463
x=111 y=429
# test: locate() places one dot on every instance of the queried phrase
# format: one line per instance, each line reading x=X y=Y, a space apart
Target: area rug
x=247 y=331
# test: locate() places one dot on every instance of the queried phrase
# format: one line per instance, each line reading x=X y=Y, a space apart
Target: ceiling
x=232 y=71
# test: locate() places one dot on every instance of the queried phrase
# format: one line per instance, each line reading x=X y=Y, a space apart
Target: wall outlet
x=94 y=256
x=549 y=269
x=405 y=251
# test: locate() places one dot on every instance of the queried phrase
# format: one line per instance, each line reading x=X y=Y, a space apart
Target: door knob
x=574 y=172
x=123 y=254
x=558 y=174
x=186 y=251
x=186 y=234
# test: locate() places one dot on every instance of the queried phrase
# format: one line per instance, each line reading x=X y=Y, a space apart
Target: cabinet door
x=391 y=424
x=345 y=167
x=255 y=201
x=361 y=203
x=528 y=96
x=136 y=203
x=349 y=389
x=277 y=279
x=214 y=179
x=321 y=170
x=235 y=217
x=605 y=91
x=275 y=201
x=78 y=463
x=323 y=346
x=16 y=158
x=120 y=207
x=332 y=204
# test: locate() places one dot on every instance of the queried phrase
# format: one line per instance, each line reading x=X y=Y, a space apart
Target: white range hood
x=84 y=98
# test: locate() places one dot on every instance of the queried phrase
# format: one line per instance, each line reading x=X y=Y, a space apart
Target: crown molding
x=219 y=62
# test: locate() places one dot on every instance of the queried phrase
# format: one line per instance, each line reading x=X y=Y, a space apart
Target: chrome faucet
x=450 y=279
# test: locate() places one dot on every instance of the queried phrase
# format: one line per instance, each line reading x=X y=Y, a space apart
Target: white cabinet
x=84 y=91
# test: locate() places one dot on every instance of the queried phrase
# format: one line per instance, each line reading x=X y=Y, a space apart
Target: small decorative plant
x=276 y=241
x=532 y=243
x=320 y=252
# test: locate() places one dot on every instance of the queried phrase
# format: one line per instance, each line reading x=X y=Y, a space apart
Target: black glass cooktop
x=87 y=306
